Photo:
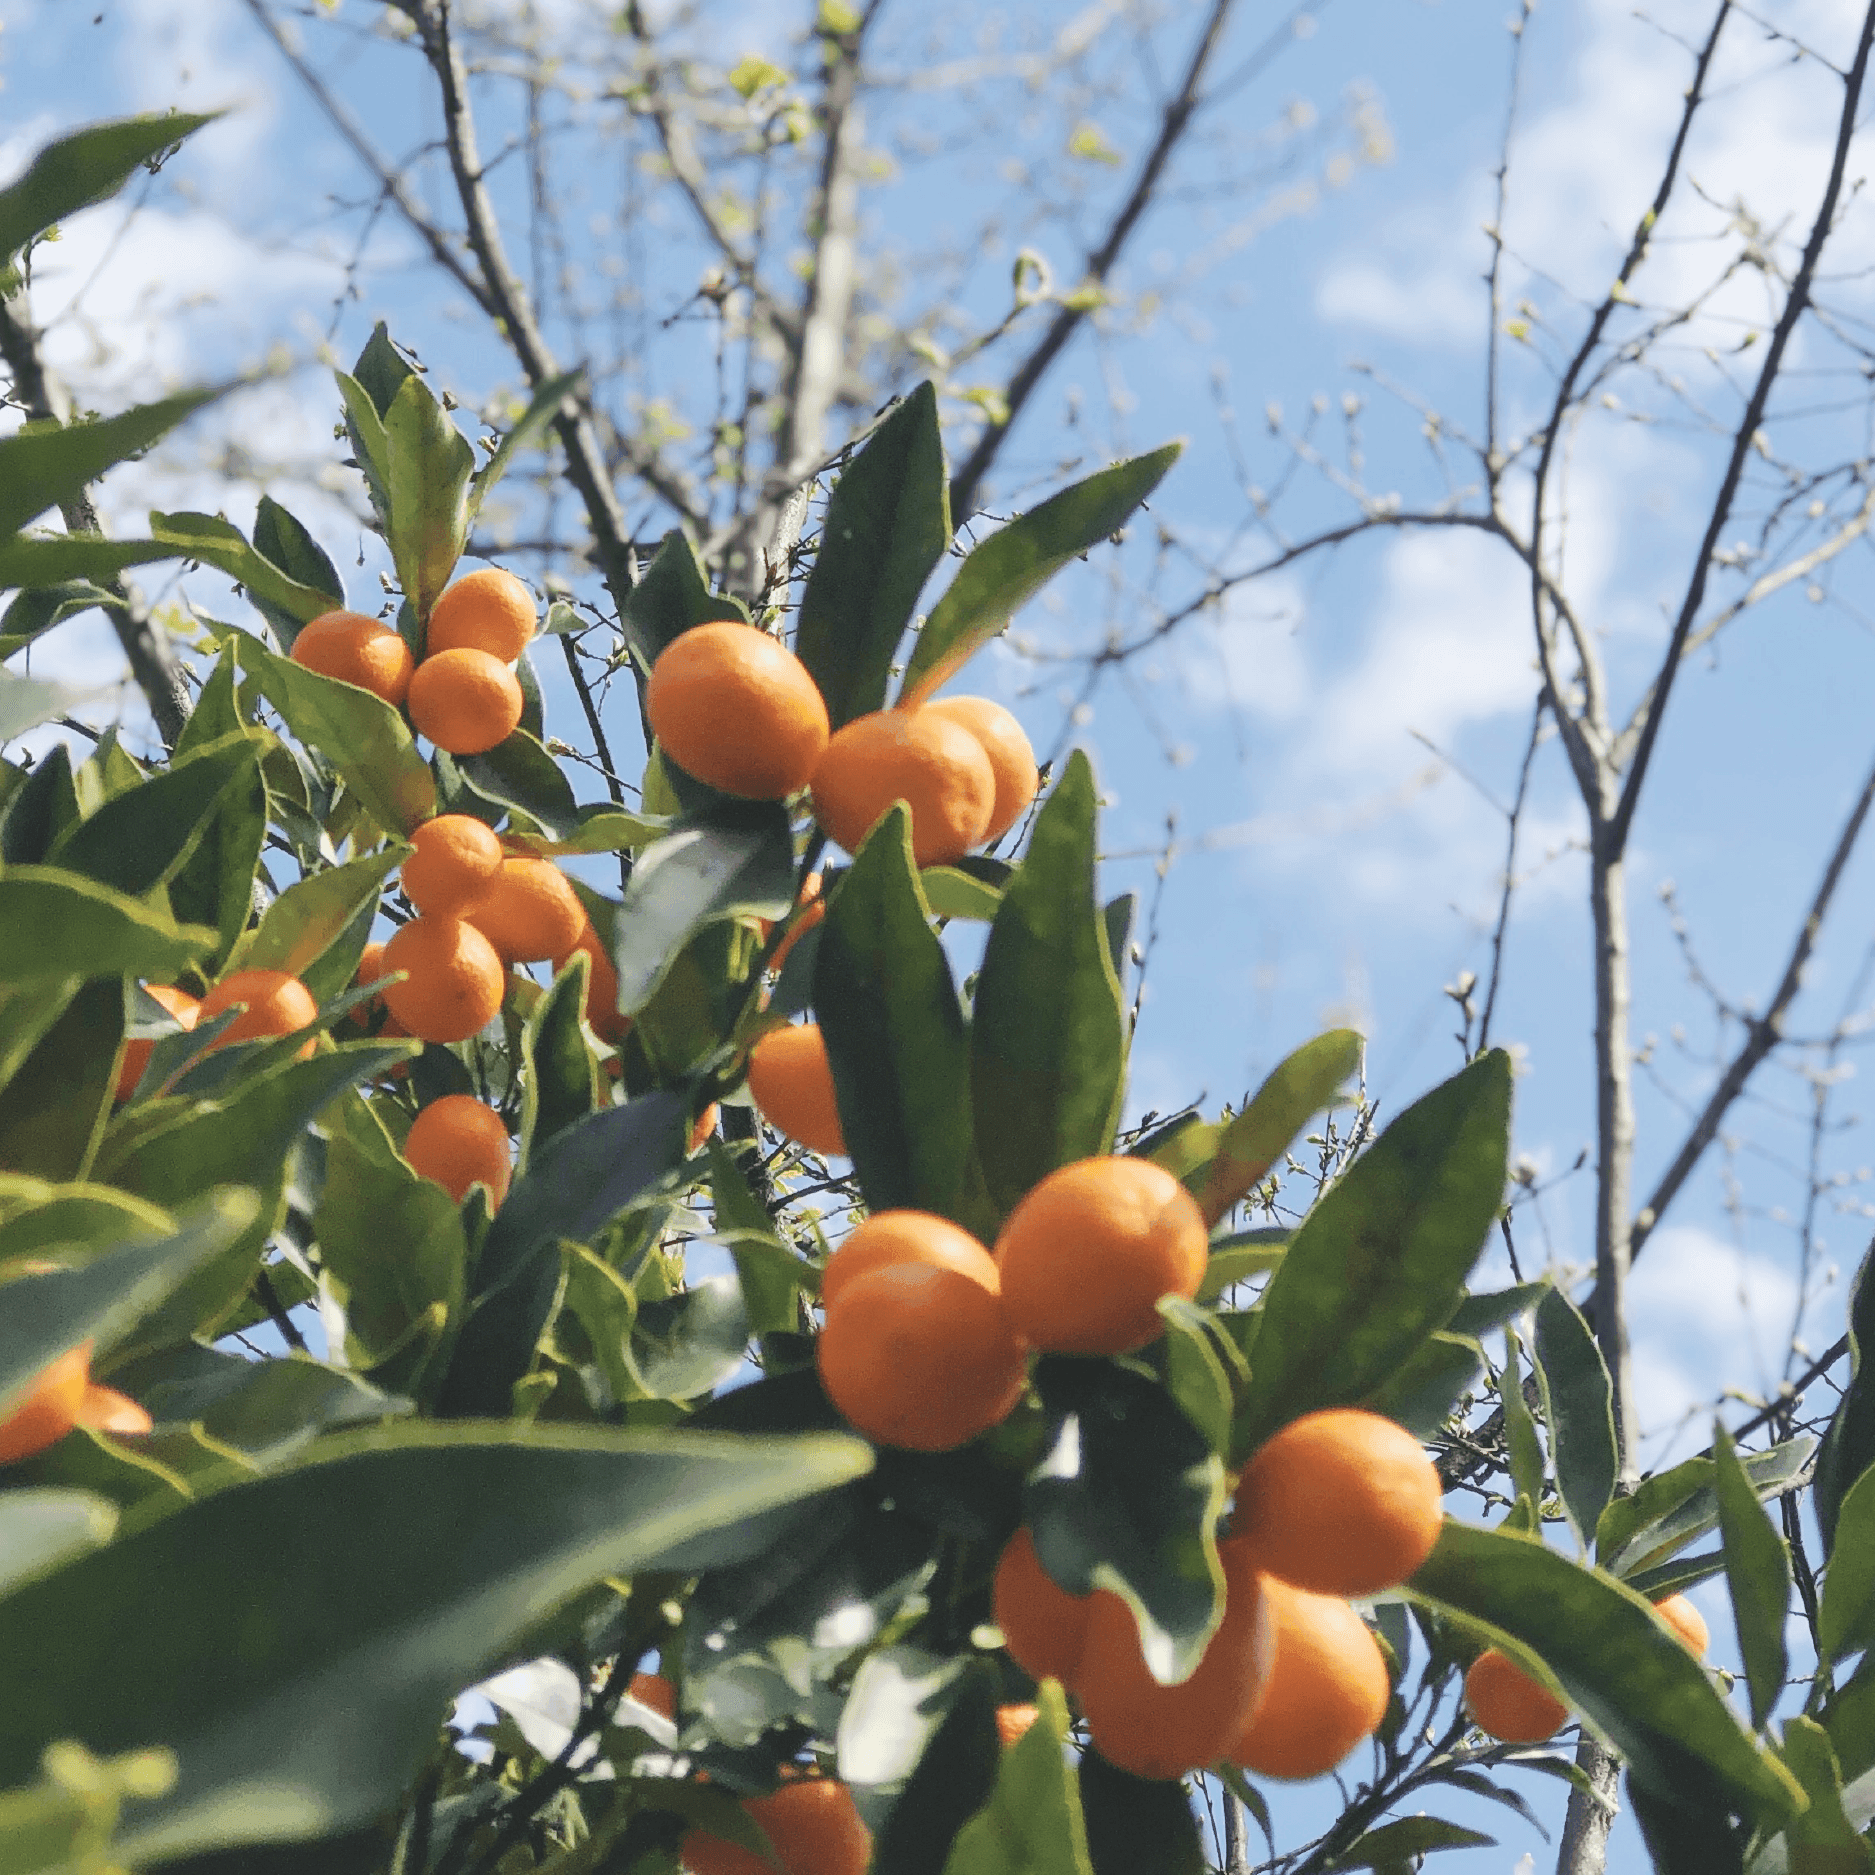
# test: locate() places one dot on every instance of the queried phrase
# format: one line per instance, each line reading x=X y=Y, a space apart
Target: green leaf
x=349 y=1651
x=31 y=560
x=364 y=424
x=895 y=1036
x=41 y=1528
x=38 y=811
x=1615 y=1660
x=1410 y=1836
x=34 y=612
x=1677 y=1507
x=731 y=859
x=598 y=829
x=25 y=703
x=284 y=543
x=772 y=1276
x=560 y=1078
x=1520 y=1435
x=1032 y=1824
x=46 y=465
x=215 y=884
x=690 y=1343
x=77 y=1056
x=1422 y=1394
x=1243 y=1254
x=1822 y=1840
x=887 y=525
x=1757 y=1570
x=1137 y=1825
x=1001 y=575
x=1848 y=1448
x=519 y=773
x=313 y=929
x=429 y=463
x=1850 y=1718
x=1846 y=1620
x=55 y=925
x=86 y=166
x=1682 y=1841
x=1194 y=1374
x=953 y=893
x=1475 y=1314
x=1048 y=1032
x=542 y=412
x=1381 y=1260
x=673 y=594
x=219 y=543
x=1303 y=1084
x=1578 y=1407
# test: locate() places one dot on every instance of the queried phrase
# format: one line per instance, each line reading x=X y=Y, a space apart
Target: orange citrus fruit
x=1342 y=1501
x=811 y=909
x=1328 y=1687
x=456 y=979
x=50 y=1409
x=1044 y=1627
x=277 y=1004
x=705 y=1126
x=919 y=1356
x=1687 y=1622
x=655 y=1691
x=187 y=1012
x=1089 y=1250
x=453 y=861
x=1012 y=1722
x=375 y=1015
x=813 y=1823
x=356 y=650
x=890 y=1237
x=458 y=1142
x=1508 y=1704
x=465 y=701
x=602 y=1012
x=530 y=913
x=936 y=766
x=104 y=1409
x=487 y=610
x=791 y=1081
x=1169 y=1731
x=1012 y=759
x=738 y=710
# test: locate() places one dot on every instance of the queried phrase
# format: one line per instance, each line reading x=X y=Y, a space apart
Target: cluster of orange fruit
x=273 y=1003
x=464 y=695
x=1339 y=1504
x=740 y=711
x=928 y=1333
x=63 y=1396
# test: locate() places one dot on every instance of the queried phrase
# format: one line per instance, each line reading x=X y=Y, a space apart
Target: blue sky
x=1328 y=866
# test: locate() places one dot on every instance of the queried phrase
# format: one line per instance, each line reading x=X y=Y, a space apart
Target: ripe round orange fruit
x=465 y=701
x=890 y=1237
x=1044 y=1627
x=277 y=1004
x=738 y=710
x=602 y=1012
x=1508 y=1704
x=1328 y=1687
x=530 y=913
x=1012 y=759
x=487 y=610
x=356 y=650
x=813 y=1823
x=1171 y=1731
x=104 y=1409
x=50 y=1409
x=187 y=1012
x=919 y=1356
x=791 y=1081
x=934 y=765
x=1342 y=1502
x=1687 y=1622
x=456 y=979
x=458 y=1142
x=453 y=861
x=1013 y=1722
x=1087 y=1253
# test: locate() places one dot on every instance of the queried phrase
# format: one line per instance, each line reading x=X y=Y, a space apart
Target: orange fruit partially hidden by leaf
x=465 y=701
x=813 y=1823
x=705 y=1126
x=1012 y=759
x=655 y=1691
x=104 y=1409
x=1342 y=1502
x=487 y=610
x=1328 y=1687
x=889 y=1237
x=456 y=979
x=736 y=709
x=602 y=1012
x=530 y=913
x=50 y=1408
x=1507 y=1703
x=1687 y=1622
x=187 y=1012
x=934 y=765
x=458 y=1142
x=1013 y=1722
x=356 y=650
x=791 y=1081
x=1087 y=1253
x=1044 y=1627
x=453 y=861
x=277 y=1004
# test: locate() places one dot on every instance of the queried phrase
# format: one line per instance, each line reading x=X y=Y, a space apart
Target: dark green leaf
x=85 y=166
x=53 y=1110
x=381 y=369
x=49 y=559
x=1194 y=1374
x=1520 y=1435
x=1048 y=1034
x=1823 y=1841
x=283 y=542
x=38 y=811
x=772 y=1276
x=1137 y=1825
x=1850 y=1719
x=1578 y=1404
x=429 y=464
x=318 y=921
x=887 y=525
x=1241 y=1255
x=1677 y=1507
x=533 y=423
x=560 y=1078
x=45 y=465
x=36 y=611
x=55 y=925
x=215 y=884
x=1033 y=1823
x=953 y=893
x=1848 y=1448
x=1846 y=1620
x=1682 y=1841
x=219 y=543
x=1670 y=1578
x=1381 y=1260
x=1001 y=575
x=518 y=772
x=1495 y=1307
x=26 y=1013
x=692 y=1342
x=1422 y=1394
x=1410 y=1836
x=1757 y=1570
x=673 y=594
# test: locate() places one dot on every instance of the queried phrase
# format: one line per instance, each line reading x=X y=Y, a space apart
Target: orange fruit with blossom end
x=531 y=913
x=104 y=1409
x=601 y=1007
x=1044 y=1627
x=932 y=764
x=458 y=1143
x=813 y=1823
x=465 y=701
x=919 y=1356
x=791 y=1081
x=1507 y=1703
x=356 y=650
x=453 y=861
x=1342 y=1502
x=1012 y=758
x=455 y=983
x=738 y=710
x=889 y=1237
x=487 y=610
x=1162 y=1731
x=277 y=1004
x=50 y=1409
x=1013 y=1722
x=187 y=1012
x=1328 y=1687
x=1687 y=1622
x=1088 y=1252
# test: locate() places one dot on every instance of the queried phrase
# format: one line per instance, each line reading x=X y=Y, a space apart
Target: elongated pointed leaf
x=76 y=1062
x=1137 y=1825
x=45 y=466
x=49 y=559
x=1393 y=1843
x=430 y=463
x=86 y=166
x=1520 y=1434
x=1578 y=1404
x=284 y=542
x=560 y=1083
x=533 y=423
x=519 y=773
x=219 y=543
x=1823 y=1840
x=318 y=920
x=1846 y=1620
x=1848 y=1448
x=1678 y=1507
x=673 y=594
x=1032 y=1824
x=56 y=925
x=1422 y=1394
x=1757 y=1570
